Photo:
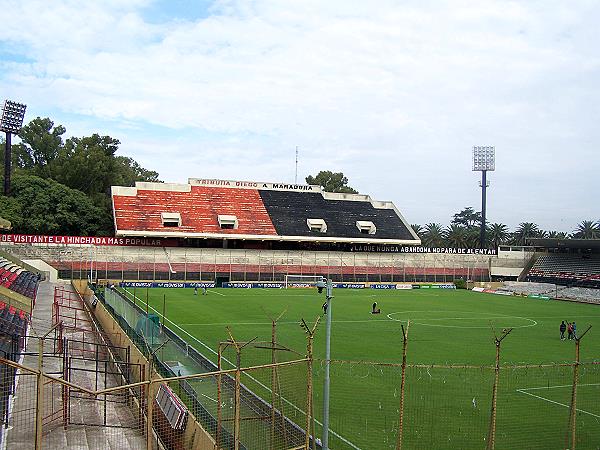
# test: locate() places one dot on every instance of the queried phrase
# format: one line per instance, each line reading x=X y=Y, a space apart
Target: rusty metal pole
x=219 y=412
x=491 y=441
x=149 y=414
x=310 y=332
x=273 y=382
x=573 y=411
x=309 y=357
x=402 y=386
x=238 y=375
x=492 y=428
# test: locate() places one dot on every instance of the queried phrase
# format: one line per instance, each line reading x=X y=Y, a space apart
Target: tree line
x=463 y=232
x=62 y=185
x=464 y=229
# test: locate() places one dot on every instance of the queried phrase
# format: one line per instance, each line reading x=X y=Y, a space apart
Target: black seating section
x=13 y=322
x=18 y=279
x=563 y=269
x=289 y=210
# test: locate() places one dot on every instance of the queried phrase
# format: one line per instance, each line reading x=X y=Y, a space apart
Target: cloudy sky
x=394 y=94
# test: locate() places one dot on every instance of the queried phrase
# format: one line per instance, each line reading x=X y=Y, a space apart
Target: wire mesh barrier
x=259 y=394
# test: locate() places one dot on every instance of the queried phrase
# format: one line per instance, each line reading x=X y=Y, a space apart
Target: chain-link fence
x=445 y=407
x=259 y=394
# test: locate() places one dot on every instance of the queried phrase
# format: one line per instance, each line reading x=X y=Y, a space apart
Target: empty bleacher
x=567 y=269
x=198 y=208
x=289 y=211
x=263 y=212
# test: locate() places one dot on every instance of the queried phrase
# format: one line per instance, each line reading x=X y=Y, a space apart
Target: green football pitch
x=445 y=407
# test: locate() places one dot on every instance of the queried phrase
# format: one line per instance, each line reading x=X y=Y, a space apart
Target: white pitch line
x=557 y=403
x=556 y=387
x=215 y=292
x=280 y=322
x=423 y=321
x=249 y=376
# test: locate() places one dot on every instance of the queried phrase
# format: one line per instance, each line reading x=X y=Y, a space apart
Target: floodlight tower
x=11 y=122
x=484 y=159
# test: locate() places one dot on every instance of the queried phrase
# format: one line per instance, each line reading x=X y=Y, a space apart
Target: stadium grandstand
x=567 y=262
x=220 y=230
x=102 y=350
x=257 y=215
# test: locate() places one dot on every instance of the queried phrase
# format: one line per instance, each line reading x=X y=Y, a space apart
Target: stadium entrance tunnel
x=461 y=319
x=220 y=280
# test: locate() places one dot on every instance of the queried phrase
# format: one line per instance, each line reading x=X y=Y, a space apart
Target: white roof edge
x=175 y=234
x=170 y=187
x=123 y=191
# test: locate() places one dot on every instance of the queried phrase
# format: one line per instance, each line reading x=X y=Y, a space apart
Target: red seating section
x=199 y=210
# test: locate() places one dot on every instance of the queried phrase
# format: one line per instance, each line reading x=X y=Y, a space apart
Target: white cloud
x=393 y=95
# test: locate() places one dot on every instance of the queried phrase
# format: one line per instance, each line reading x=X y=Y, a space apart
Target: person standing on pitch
x=574 y=327
x=195 y=290
x=569 y=331
x=563 y=328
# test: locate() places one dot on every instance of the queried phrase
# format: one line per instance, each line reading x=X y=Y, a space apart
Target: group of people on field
x=570 y=328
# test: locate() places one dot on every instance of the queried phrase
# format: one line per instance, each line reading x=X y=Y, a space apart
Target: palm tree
x=433 y=235
x=498 y=233
x=557 y=235
x=457 y=236
x=417 y=229
x=587 y=229
x=524 y=231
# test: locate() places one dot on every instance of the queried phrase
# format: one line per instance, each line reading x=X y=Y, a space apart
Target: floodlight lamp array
x=484 y=158
x=12 y=116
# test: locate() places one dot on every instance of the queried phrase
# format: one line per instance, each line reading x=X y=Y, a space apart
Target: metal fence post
x=150 y=395
x=310 y=332
x=491 y=441
x=573 y=411
x=402 y=386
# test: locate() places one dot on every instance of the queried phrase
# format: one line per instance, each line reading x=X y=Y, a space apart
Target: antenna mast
x=296 y=177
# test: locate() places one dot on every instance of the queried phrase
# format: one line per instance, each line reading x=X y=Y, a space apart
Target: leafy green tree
x=128 y=171
x=40 y=144
x=467 y=218
x=434 y=235
x=88 y=164
x=331 y=182
x=48 y=207
x=11 y=210
x=587 y=229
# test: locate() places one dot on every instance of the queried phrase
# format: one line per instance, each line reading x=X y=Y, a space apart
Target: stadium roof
x=565 y=243
x=226 y=209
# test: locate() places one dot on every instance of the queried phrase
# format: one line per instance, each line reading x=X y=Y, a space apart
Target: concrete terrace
x=85 y=430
